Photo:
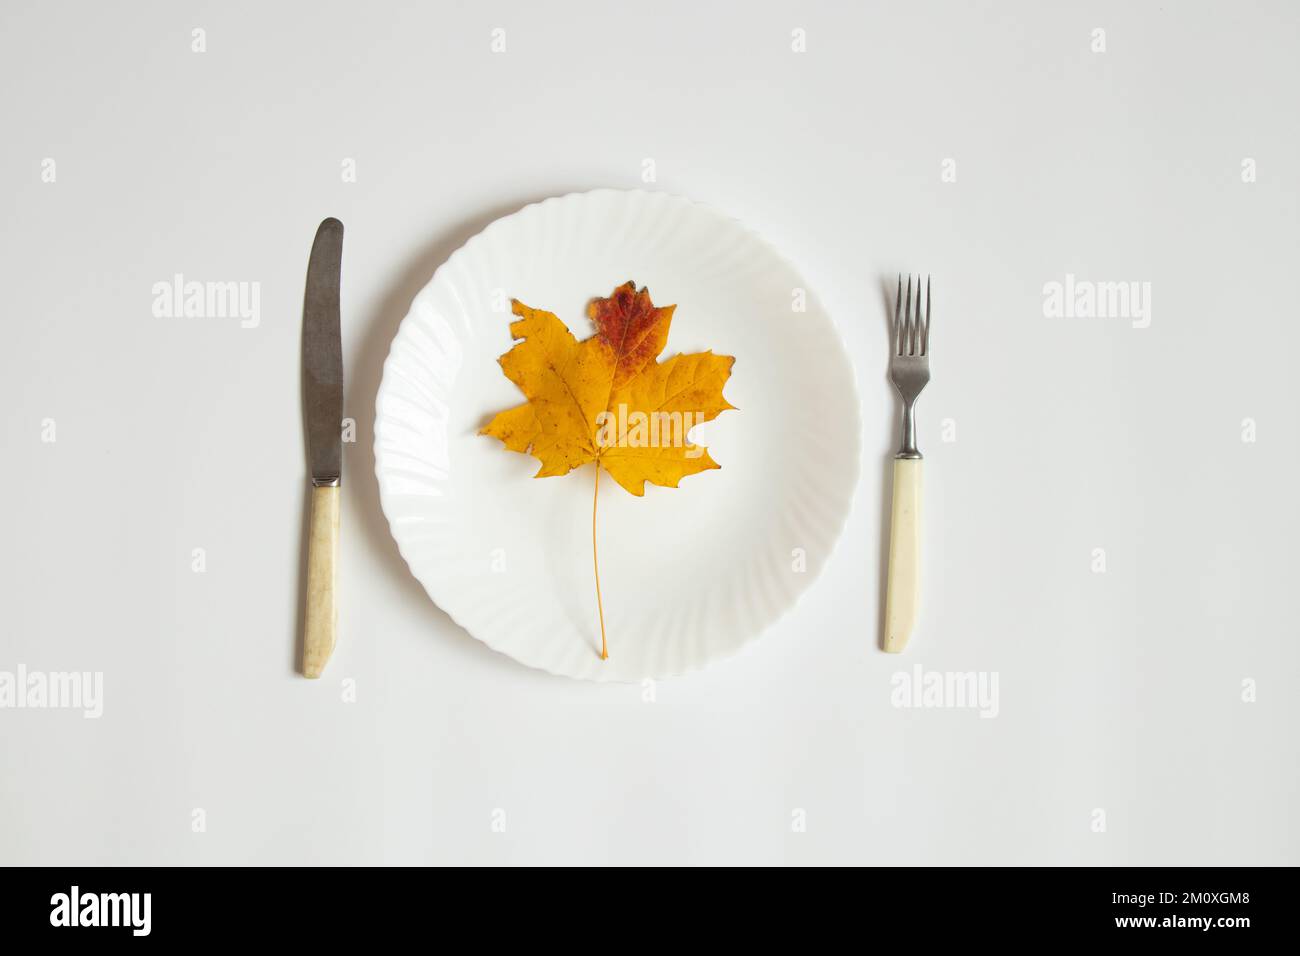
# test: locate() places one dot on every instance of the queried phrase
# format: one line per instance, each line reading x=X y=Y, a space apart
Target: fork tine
x=911 y=320
x=920 y=322
x=898 y=309
x=905 y=344
x=925 y=340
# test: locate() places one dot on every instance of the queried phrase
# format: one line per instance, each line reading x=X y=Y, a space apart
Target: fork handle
x=903 y=596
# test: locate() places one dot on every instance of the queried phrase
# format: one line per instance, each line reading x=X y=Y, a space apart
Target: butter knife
x=322 y=395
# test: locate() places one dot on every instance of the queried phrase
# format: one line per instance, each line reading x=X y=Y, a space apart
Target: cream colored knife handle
x=903 y=596
x=321 y=618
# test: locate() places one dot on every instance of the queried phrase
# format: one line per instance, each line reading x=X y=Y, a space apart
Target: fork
x=909 y=370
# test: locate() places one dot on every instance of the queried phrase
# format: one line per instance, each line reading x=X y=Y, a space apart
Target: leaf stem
x=600 y=607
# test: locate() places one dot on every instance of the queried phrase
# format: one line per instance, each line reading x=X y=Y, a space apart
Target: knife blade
x=322 y=394
x=322 y=356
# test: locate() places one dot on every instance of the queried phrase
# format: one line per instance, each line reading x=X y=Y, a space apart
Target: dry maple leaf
x=607 y=399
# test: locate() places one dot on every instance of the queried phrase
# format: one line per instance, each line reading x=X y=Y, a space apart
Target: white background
x=1120 y=691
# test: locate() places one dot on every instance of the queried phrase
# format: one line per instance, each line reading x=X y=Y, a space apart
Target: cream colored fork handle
x=320 y=621
x=903 y=597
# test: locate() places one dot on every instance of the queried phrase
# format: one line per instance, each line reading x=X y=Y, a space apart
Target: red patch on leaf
x=631 y=325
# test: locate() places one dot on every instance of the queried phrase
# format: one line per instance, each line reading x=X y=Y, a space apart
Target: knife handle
x=320 y=623
x=903 y=596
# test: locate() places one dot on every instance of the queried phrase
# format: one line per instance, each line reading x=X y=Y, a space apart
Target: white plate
x=688 y=575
